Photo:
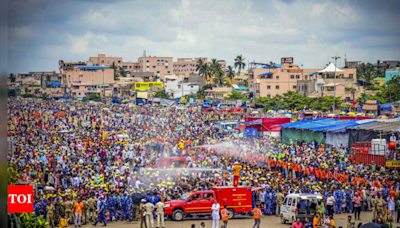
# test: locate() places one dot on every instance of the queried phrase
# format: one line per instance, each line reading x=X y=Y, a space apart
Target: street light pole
x=334 y=84
x=104 y=89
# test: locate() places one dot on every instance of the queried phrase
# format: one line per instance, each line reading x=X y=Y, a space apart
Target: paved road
x=241 y=222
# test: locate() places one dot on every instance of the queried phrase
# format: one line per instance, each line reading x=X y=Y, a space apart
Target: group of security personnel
x=119 y=207
x=273 y=200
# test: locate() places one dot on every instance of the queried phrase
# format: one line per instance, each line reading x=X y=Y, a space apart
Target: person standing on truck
x=224 y=216
x=215 y=214
x=257 y=216
x=236 y=174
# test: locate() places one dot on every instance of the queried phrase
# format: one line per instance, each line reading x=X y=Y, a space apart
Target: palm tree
x=230 y=73
x=155 y=77
x=369 y=75
x=122 y=72
x=12 y=77
x=204 y=70
x=378 y=68
x=273 y=64
x=215 y=66
x=219 y=78
x=115 y=67
x=239 y=63
x=199 y=65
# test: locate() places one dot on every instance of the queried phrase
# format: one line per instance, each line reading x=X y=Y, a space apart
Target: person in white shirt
x=327 y=221
x=330 y=201
x=215 y=214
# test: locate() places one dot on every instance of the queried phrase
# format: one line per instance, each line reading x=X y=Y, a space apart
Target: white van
x=299 y=206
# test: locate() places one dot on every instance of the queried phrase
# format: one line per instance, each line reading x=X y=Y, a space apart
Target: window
x=166 y=61
x=85 y=94
x=162 y=60
x=169 y=72
x=158 y=72
x=119 y=61
x=297 y=76
x=350 y=75
x=195 y=197
x=166 y=67
x=108 y=61
x=158 y=60
x=102 y=61
x=291 y=76
x=269 y=95
x=289 y=202
x=277 y=87
x=147 y=66
x=125 y=67
x=79 y=94
x=285 y=201
x=208 y=196
x=268 y=87
x=154 y=66
x=294 y=87
x=113 y=61
x=130 y=67
x=277 y=77
x=179 y=86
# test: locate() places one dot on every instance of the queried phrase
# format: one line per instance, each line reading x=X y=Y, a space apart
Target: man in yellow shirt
x=236 y=174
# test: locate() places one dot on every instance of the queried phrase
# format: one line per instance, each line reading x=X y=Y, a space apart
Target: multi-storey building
x=160 y=66
x=272 y=82
x=103 y=60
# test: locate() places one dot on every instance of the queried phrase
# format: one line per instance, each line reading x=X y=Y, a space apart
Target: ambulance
x=299 y=206
x=237 y=199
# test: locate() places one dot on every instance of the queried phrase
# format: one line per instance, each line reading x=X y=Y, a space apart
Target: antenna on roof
x=144 y=53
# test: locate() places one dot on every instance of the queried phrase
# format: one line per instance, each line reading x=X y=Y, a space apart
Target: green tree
x=161 y=94
x=205 y=71
x=215 y=66
x=368 y=76
x=219 y=78
x=378 y=68
x=11 y=93
x=239 y=63
x=155 y=77
x=246 y=82
x=199 y=64
x=115 y=67
x=230 y=73
x=93 y=97
x=12 y=77
x=122 y=72
x=235 y=95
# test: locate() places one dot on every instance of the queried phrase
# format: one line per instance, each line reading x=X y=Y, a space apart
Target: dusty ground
x=240 y=222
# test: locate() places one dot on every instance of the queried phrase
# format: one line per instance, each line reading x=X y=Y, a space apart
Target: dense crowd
x=98 y=162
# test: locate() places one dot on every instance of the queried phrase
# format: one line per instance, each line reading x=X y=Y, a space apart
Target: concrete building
x=84 y=80
x=186 y=65
x=173 y=86
x=352 y=64
x=196 y=79
x=145 y=76
x=160 y=66
x=272 y=82
x=218 y=93
x=391 y=73
x=103 y=60
x=381 y=81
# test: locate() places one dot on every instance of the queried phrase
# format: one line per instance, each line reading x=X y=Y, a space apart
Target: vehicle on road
x=237 y=200
x=299 y=206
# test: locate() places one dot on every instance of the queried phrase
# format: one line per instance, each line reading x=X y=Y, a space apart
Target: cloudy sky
x=41 y=32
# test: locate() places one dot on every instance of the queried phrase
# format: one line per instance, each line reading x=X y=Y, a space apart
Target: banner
x=167 y=102
x=148 y=85
x=250 y=132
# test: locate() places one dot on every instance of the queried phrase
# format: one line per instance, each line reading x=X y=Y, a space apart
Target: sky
x=41 y=32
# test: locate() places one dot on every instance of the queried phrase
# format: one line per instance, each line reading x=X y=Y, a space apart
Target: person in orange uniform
x=257 y=216
x=236 y=174
x=224 y=216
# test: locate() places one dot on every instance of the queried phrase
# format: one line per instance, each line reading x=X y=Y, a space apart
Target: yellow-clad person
x=236 y=174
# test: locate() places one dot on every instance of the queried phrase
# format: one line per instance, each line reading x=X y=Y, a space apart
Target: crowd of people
x=98 y=162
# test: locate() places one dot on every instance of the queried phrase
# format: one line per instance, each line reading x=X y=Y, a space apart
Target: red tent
x=269 y=124
x=236 y=110
x=241 y=127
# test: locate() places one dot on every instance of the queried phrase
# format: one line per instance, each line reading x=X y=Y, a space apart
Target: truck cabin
x=198 y=196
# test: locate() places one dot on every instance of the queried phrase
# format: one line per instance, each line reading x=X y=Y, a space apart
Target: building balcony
x=93 y=90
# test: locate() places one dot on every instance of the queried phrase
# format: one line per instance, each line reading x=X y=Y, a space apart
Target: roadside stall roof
x=325 y=124
x=389 y=126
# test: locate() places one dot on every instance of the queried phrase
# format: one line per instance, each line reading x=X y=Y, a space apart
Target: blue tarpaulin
x=56 y=84
x=269 y=73
x=250 y=132
x=386 y=107
x=325 y=124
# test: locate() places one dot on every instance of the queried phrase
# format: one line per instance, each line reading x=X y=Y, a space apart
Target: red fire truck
x=237 y=199
x=171 y=162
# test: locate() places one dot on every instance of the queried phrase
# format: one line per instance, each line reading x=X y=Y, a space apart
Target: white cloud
x=309 y=31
